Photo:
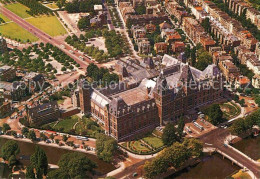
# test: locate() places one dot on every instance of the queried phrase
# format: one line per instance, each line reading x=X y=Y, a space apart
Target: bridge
x=216 y=140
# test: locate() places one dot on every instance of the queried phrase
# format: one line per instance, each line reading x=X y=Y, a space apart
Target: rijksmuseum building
x=145 y=99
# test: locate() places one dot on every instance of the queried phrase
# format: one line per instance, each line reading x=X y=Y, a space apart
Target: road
x=47 y=38
x=217 y=138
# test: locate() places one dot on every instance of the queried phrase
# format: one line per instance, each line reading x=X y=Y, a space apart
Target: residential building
x=229 y=70
x=178 y=47
x=12 y=91
x=43 y=114
x=34 y=81
x=144 y=46
x=7 y=73
x=161 y=47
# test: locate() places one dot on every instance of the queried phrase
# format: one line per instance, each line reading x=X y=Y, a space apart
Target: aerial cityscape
x=115 y=89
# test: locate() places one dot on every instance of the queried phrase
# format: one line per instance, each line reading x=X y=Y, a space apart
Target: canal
x=54 y=154
x=211 y=166
x=249 y=146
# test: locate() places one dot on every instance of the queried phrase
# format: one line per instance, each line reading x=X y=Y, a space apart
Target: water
x=249 y=146
x=211 y=167
x=54 y=154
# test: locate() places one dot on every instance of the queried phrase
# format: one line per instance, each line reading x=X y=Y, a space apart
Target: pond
x=54 y=154
x=249 y=146
x=211 y=166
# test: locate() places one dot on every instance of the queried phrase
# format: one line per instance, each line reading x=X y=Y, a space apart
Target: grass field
x=153 y=141
x=19 y=9
x=6 y=19
x=14 y=31
x=49 y=24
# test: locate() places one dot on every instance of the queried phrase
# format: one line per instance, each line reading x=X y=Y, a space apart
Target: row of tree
x=243 y=125
x=174 y=156
x=36 y=8
x=114 y=43
x=77 y=6
x=80 y=44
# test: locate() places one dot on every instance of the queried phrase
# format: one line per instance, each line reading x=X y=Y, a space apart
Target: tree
x=30 y=172
x=57 y=141
x=238 y=127
x=84 y=23
x=257 y=100
x=180 y=128
x=169 y=135
x=73 y=165
x=105 y=147
x=206 y=24
x=173 y=156
x=64 y=138
x=140 y=10
x=25 y=131
x=214 y=114
x=43 y=137
x=32 y=135
x=12 y=161
x=9 y=151
x=39 y=162
x=6 y=127
x=51 y=136
x=242 y=102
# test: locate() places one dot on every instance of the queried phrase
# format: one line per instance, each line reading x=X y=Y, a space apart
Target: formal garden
x=147 y=144
x=75 y=126
x=230 y=110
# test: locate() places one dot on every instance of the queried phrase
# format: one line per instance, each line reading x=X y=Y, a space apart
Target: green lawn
x=49 y=24
x=67 y=123
x=14 y=31
x=52 y=6
x=6 y=19
x=153 y=141
x=19 y=9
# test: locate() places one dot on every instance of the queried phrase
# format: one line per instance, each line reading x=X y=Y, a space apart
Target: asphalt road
x=47 y=38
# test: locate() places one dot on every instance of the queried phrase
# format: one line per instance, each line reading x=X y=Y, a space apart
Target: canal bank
x=211 y=166
x=54 y=154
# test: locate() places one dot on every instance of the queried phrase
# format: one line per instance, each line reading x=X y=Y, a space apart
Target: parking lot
x=198 y=127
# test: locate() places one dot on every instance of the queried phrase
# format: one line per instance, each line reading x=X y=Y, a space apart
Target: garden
x=75 y=126
x=230 y=110
x=147 y=144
